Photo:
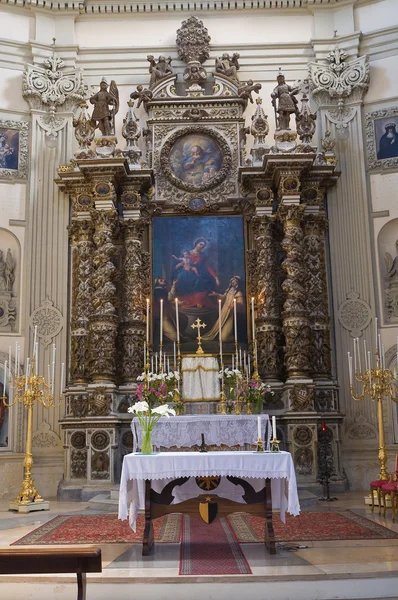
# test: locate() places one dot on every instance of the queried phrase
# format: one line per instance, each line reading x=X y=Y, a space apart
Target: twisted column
x=136 y=288
x=317 y=296
x=295 y=317
x=81 y=233
x=265 y=290
x=103 y=318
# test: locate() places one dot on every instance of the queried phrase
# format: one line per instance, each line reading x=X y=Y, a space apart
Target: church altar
x=200 y=381
x=162 y=484
x=185 y=431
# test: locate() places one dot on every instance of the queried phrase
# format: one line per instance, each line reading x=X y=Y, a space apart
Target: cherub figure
x=185 y=262
x=245 y=90
x=160 y=69
x=103 y=117
x=143 y=95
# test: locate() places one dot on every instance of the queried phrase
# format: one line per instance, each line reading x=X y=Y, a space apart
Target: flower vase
x=146 y=446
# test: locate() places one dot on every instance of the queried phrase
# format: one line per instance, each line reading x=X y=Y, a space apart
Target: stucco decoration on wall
x=49 y=321
x=44 y=438
x=361 y=429
x=13 y=149
x=381 y=135
x=337 y=81
x=354 y=314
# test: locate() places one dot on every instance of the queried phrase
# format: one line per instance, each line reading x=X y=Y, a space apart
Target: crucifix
x=198 y=325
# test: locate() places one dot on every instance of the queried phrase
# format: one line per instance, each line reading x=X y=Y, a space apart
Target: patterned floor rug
x=210 y=550
x=107 y=529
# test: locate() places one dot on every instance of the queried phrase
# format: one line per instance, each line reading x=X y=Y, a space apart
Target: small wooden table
x=153 y=482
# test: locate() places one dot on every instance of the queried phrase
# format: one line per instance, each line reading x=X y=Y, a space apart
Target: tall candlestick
x=161 y=320
x=16 y=358
x=259 y=428
x=177 y=320
x=235 y=322
x=147 y=321
x=359 y=356
x=397 y=354
x=253 y=324
x=365 y=354
x=168 y=365
x=379 y=346
x=383 y=357
x=274 y=427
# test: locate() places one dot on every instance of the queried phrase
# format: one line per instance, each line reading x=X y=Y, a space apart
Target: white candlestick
x=355 y=355
x=177 y=320
x=53 y=378
x=36 y=357
x=174 y=356
x=168 y=365
x=233 y=362
x=376 y=331
x=156 y=362
x=147 y=321
x=26 y=373
x=48 y=375
x=253 y=323
x=359 y=356
x=235 y=321
x=16 y=358
x=248 y=365
x=219 y=323
x=397 y=354
x=34 y=339
x=259 y=428
x=161 y=320
x=144 y=355
x=151 y=364
x=62 y=378
x=274 y=427
x=365 y=354
x=5 y=378
x=379 y=347
x=350 y=366
x=383 y=357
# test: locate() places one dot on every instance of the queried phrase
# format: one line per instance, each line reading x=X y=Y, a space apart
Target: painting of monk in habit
x=201 y=262
x=386 y=131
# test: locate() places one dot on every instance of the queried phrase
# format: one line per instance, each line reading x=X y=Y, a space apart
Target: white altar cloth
x=200 y=381
x=185 y=431
x=254 y=467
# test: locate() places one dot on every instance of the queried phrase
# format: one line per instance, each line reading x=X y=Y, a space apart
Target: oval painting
x=196 y=159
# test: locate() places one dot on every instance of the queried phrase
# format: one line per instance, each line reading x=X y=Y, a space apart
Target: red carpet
x=210 y=549
x=107 y=529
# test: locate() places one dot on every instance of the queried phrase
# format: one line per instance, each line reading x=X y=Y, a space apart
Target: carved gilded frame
x=21 y=172
x=184 y=131
x=371 y=142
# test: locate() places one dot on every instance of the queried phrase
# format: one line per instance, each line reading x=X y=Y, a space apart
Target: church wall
x=116 y=47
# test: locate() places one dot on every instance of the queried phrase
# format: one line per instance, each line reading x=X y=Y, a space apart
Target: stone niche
x=10 y=270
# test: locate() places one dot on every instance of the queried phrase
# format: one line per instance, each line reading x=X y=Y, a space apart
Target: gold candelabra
x=378 y=382
x=30 y=389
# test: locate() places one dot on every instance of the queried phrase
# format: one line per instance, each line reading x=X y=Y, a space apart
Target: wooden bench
x=24 y=561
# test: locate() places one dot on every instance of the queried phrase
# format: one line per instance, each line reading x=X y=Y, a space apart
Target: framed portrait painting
x=198 y=266
x=382 y=138
x=13 y=149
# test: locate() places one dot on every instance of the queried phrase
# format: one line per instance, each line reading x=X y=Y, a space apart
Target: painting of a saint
x=9 y=148
x=195 y=159
x=199 y=261
x=386 y=138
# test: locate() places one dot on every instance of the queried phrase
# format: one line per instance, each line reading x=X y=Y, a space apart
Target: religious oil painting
x=199 y=261
x=382 y=138
x=13 y=149
x=195 y=159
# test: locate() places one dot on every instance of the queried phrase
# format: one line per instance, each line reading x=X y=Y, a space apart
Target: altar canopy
x=200 y=381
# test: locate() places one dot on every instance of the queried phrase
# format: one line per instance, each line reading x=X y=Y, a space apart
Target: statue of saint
x=228 y=66
x=287 y=102
x=6 y=271
x=160 y=69
x=392 y=266
x=103 y=117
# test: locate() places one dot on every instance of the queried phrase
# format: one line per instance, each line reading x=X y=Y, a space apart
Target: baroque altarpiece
x=196 y=165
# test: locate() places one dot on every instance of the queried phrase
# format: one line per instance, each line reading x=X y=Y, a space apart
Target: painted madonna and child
x=199 y=270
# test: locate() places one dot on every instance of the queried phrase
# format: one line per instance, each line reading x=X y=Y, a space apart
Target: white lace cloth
x=200 y=378
x=185 y=431
x=251 y=466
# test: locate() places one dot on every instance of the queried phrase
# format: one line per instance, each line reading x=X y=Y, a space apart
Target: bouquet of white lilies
x=148 y=417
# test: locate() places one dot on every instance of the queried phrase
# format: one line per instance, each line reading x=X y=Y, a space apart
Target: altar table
x=200 y=381
x=185 y=431
x=251 y=482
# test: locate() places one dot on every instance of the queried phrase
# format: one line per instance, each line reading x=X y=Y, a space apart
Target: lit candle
x=274 y=427
x=147 y=320
x=253 y=325
x=235 y=322
x=259 y=428
x=62 y=378
x=350 y=367
x=161 y=320
x=177 y=320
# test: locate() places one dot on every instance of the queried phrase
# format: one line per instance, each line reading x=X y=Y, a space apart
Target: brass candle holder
x=260 y=445
x=275 y=445
x=30 y=389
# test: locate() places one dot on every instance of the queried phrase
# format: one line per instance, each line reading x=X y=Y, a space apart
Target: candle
x=161 y=320
x=168 y=365
x=62 y=378
x=156 y=362
x=240 y=357
x=359 y=356
x=370 y=370
x=379 y=346
x=177 y=320
x=174 y=356
x=16 y=358
x=235 y=322
x=37 y=356
x=376 y=332
x=274 y=427
x=151 y=364
x=255 y=352
x=48 y=375
x=5 y=378
x=383 y=356
x=219 y=324
x=144 y=355
x=350 y=367
x=233 y=362
x=259 y=428
x=34 y=339
x=248 y=365
x=147 y=320
x=253 y=324
x=365 y=354
x=355 y=355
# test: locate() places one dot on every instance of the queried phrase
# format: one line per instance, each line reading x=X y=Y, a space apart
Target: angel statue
x=228 y=66
x=287 y=102
x=392 y=266
x=160 y=69
x=103 y=117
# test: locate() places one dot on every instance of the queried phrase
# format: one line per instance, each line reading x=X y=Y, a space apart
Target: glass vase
x=146 y=446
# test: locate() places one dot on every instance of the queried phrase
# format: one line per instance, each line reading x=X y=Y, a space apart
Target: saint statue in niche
x=195 y=159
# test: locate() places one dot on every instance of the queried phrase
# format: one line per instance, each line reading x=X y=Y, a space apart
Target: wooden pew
x=24 y=561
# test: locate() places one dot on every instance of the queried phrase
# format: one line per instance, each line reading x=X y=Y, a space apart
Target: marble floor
x=369 y=568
